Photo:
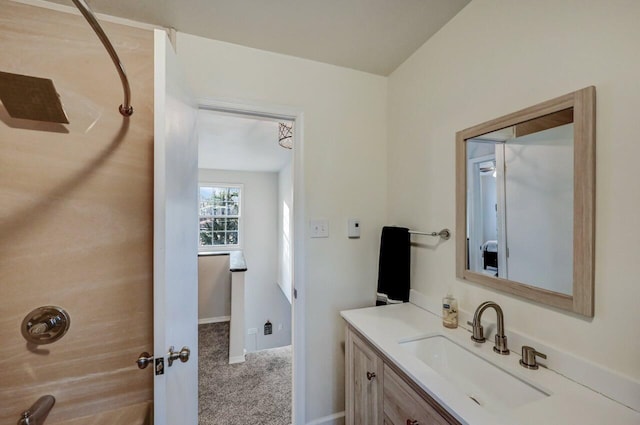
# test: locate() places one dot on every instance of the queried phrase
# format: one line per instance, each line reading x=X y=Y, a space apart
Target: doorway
x=247 y=181
x=487 y=251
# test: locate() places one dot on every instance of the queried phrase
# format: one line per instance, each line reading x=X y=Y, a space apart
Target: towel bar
x=444 y=233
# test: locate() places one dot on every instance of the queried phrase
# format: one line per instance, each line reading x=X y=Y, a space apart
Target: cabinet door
x=363 y=382
x=403 y=406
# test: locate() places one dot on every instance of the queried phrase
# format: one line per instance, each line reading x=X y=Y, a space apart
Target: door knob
x=144 y=360
x=183 y=355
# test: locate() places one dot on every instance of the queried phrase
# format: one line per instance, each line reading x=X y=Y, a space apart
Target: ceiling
x=240 y=143
x=375 y=36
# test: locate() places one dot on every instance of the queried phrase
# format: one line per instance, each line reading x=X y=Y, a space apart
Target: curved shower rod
x=125 y=109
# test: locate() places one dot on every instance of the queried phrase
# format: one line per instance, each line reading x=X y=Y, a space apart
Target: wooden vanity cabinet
x=363 y=371
x=403 y=406
x=378 y=393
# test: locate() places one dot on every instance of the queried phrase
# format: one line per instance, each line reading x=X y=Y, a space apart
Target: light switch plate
x=319 y=228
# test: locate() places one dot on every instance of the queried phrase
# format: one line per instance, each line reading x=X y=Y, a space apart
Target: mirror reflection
x=520 y=202
x=525 y=202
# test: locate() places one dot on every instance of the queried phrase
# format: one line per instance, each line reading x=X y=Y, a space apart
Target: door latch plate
x=160 y=366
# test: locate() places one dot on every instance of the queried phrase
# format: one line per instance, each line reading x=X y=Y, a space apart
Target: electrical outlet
x=279 y=326
x=252 y=331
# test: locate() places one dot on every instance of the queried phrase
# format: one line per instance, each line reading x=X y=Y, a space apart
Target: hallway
x=257 y=391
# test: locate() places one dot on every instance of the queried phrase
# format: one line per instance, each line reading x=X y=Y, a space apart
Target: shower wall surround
x=76 y=219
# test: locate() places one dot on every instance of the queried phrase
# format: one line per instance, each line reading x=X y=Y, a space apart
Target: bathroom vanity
x=378 y=392
x=404 y=368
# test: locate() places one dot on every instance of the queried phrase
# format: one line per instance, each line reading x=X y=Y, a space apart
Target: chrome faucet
x=478 y=333
x=37 y=413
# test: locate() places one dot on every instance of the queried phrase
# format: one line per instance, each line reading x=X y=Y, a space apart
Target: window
x=219 y=215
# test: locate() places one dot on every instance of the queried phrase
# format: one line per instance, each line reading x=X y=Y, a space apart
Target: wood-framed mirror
x=525 y=202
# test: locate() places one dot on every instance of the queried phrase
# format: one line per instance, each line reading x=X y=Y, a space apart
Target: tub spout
x=37 y=413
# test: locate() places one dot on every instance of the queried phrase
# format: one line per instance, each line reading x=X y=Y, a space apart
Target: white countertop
x=568 y=402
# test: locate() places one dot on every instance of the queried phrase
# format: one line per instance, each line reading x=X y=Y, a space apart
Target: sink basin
x=486 y=384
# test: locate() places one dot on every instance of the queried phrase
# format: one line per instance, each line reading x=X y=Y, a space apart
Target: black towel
x=394 y=264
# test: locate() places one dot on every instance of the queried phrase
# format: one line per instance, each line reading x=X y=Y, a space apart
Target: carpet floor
x=257 y=391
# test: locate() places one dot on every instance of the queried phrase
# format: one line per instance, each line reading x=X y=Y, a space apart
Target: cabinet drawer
x=402 y=404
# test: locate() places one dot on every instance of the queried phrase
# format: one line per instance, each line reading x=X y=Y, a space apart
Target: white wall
x=285 y=231
x=478 y=149
x=259 y=238
x=495 y=57
x=345 y=176
x=539 y=198
x=214 y=287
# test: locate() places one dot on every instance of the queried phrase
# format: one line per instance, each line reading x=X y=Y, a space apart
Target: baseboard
x=214 y=320
x=236 y=359
x=335 y=419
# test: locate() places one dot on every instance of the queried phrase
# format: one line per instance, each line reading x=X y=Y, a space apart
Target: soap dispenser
x=450 y=312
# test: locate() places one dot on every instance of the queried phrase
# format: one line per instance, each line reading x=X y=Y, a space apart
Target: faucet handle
x=529 y=357
x=477 y=331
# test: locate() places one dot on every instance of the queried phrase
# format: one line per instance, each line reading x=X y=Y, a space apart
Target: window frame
x=226 y=247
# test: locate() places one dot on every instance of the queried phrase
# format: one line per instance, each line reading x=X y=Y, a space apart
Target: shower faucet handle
x=45 y=325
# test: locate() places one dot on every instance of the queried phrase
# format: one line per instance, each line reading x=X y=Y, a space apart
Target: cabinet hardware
x=371 y=375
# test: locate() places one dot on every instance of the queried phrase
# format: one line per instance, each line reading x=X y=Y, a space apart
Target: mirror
x=525 y=202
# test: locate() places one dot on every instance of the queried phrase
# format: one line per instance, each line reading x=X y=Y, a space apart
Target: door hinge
x=295 y=293
x=160 y=366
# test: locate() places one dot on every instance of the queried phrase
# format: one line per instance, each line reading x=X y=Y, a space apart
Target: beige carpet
x=257 y=391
